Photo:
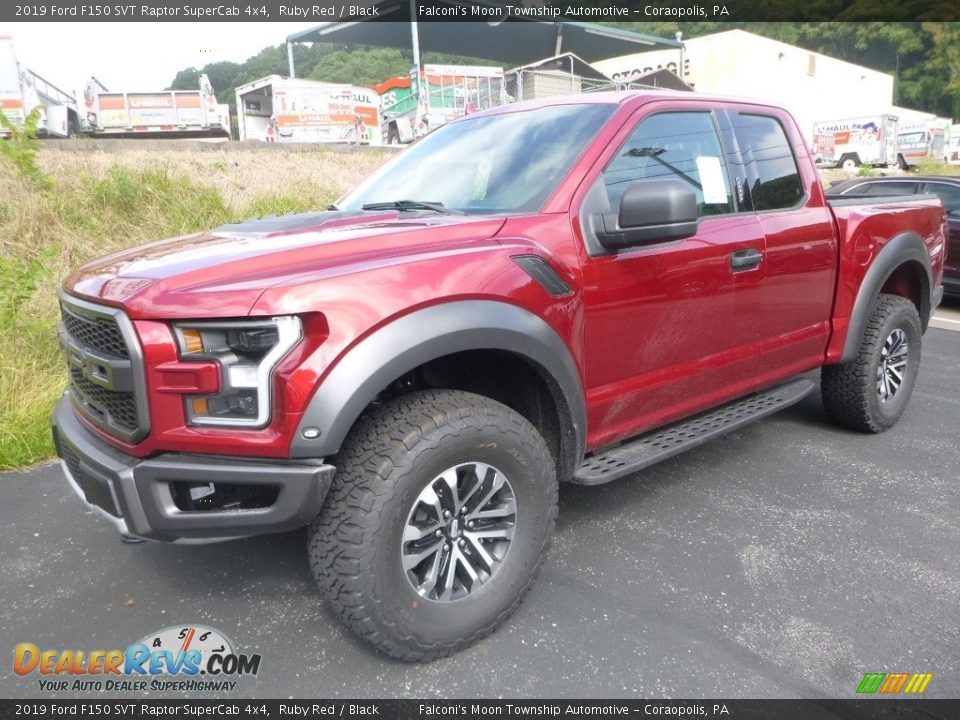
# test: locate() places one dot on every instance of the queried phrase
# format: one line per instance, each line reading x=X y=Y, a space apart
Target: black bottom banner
x=471 y=709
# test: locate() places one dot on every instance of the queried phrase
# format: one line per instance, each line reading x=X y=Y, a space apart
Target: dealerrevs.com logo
x=183 y=658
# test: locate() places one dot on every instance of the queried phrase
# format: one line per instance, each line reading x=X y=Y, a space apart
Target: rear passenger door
x=800 y=258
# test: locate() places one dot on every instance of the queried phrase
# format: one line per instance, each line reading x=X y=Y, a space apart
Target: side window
x=949 y=195
x=891 y=188
x=774 y=177
x=673 y=146
x=855 y=190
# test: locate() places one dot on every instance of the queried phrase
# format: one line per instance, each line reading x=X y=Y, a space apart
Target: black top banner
x=489 y=11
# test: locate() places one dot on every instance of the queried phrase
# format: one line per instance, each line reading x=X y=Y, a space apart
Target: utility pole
x=680 y=68
x=415 y=36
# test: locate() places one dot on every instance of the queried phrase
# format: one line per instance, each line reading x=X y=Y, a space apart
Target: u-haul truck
x=417 y=104
x=168 y=113
x=22 y=90
x=282 y=109
x=849 y=143
x=953 y=145
x=922 y=140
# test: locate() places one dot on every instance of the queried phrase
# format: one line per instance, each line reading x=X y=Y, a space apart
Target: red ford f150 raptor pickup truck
x=561 y=291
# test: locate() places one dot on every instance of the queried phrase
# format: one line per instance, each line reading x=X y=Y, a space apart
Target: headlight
x=247 y=351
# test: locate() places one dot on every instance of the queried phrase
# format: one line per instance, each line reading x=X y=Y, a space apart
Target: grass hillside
x=68 y=202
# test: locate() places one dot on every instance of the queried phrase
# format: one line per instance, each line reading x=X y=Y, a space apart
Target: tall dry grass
x=105 y=200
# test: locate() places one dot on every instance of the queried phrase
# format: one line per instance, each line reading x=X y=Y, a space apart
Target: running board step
x=674 y=439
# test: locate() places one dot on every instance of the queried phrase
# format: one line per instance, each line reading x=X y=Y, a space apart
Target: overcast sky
x=136 y=56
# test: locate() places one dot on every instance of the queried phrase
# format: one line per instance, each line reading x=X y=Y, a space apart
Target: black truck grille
x=111 y=407
x=102 y=371
x=100 y=334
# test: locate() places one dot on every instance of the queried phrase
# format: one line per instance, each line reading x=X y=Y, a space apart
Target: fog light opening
x=213 y=497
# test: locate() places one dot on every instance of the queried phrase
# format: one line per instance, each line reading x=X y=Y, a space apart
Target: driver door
x=670 y=327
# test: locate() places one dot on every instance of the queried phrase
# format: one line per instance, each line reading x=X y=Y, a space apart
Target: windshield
x=505 y=163
x=913 y=138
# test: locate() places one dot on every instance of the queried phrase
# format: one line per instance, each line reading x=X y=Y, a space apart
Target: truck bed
x=865 y=227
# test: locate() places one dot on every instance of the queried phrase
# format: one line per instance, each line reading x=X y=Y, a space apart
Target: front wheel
x=870 y=392
x=437 y=522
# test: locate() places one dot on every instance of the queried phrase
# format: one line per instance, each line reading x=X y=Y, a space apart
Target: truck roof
x=621 y=98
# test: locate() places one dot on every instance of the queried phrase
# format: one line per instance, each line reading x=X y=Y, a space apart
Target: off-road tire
x=387 y=460
x=849 y=391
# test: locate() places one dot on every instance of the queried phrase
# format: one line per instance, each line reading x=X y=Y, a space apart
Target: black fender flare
x=903 y=248
x=423 y=335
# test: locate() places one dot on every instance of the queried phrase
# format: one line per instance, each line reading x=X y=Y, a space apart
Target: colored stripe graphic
x=893 y=683
x=871 y=682
x=918 y=683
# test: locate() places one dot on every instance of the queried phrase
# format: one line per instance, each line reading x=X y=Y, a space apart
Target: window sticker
x=711 y=178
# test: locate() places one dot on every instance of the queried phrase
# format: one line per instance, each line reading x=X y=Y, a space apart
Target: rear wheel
x=870 y=392
x=850 y=163
x=437 y=522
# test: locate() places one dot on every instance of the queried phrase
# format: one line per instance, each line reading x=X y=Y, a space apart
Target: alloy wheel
x=893 y=363
x=458 y=531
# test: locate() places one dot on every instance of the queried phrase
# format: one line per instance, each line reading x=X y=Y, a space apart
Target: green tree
x=269 y=61
x=939 y=78
x=361 y=67
x=188 y=79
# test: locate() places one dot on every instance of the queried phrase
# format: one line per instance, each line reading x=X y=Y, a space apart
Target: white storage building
x=814 y=87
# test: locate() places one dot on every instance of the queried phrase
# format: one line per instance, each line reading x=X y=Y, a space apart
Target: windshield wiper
x=654 y=153
x=402 y=205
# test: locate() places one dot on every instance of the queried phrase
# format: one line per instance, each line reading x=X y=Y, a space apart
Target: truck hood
x=222 y=272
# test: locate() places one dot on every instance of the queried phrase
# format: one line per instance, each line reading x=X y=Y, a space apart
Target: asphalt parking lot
x=783 y=561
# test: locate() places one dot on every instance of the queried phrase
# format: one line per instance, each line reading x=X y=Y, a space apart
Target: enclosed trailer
x=22 y=90
x=282 y=109
x=849 y=143
x=169 y=113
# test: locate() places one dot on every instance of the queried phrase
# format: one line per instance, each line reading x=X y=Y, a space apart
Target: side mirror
x=654 y=211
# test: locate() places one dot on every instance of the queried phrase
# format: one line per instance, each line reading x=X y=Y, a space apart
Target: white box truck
x=922 y=140
x=22 y=90
x=953 y=145
x=282 y=109
x=849 y=143
x=414 y=105
x=168 y=113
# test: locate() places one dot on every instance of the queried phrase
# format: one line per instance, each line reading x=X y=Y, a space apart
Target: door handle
x=748 y=259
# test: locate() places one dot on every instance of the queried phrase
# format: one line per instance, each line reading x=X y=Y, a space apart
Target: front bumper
x=135 y=495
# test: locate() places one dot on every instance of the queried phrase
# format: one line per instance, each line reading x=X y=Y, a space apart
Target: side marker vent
x=540 y=270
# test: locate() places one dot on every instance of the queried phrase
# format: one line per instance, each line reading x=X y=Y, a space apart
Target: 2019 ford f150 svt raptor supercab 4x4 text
x=559 y=291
